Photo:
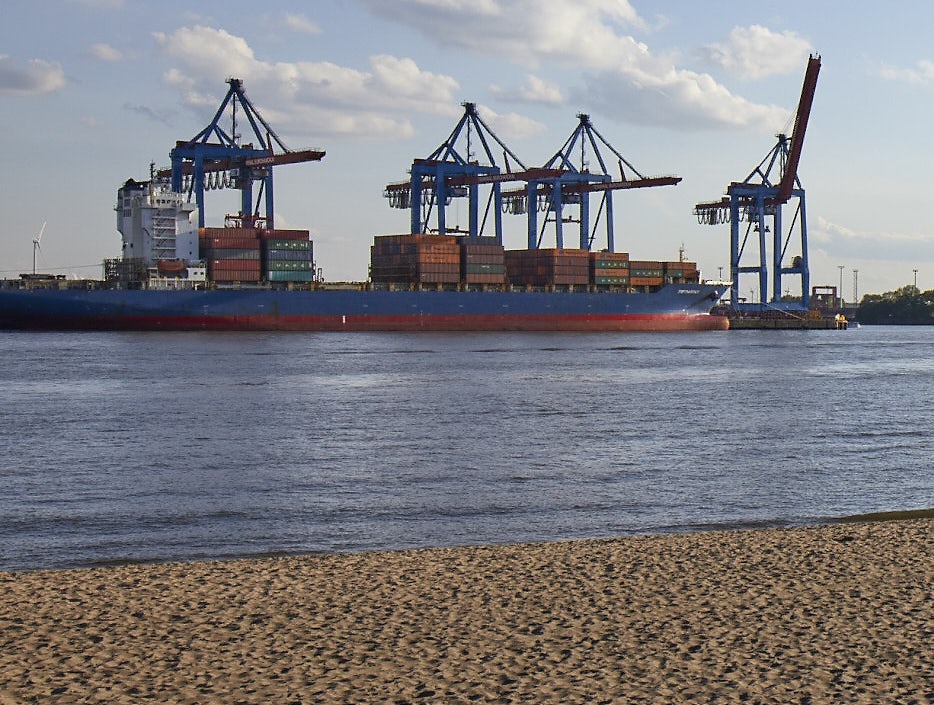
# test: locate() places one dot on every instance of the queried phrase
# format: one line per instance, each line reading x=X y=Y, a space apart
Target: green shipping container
x=287 y=244
x=485 y=268
x=290 y=276
x=288 y=266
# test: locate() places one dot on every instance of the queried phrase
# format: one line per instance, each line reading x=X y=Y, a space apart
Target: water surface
x=179 y=446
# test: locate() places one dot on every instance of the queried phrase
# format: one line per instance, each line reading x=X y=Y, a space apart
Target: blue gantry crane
x=570 y=185
x=758 y=201
x=452 y=171
x=215 y=159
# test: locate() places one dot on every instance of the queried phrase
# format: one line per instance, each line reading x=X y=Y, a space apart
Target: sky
x=94 y=91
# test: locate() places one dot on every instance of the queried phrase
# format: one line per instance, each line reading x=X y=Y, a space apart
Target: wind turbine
x=36 y=248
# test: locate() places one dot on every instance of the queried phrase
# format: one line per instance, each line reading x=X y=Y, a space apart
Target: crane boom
x=304 y=155
x=797 y=135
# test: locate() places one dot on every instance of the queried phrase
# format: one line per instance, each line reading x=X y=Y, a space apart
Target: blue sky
x=92 y=91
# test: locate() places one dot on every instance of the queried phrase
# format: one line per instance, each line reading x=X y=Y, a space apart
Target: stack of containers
x=681 y=272
x=415 y=259
x=287 y=256
x=232 y=254
x=609 y=268
x=550 y=267
x=483 y=261
x=646 y=273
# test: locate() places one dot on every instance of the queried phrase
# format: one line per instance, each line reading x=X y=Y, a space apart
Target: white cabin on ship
x=156 y=223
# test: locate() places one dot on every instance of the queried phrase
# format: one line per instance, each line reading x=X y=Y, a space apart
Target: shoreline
x=766 y=525
x=830 y=613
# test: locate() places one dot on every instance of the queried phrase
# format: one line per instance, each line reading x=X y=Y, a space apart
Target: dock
x=781 y=320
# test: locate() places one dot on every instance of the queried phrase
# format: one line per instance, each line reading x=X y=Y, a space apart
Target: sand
x=835 y=614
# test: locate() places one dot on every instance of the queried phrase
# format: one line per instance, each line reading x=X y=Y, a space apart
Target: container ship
x=174 y=275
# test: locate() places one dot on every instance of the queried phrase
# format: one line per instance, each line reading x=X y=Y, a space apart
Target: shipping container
x=218 y=254
x=288 y=266
x=300 y=245
x=609 y=269
x=548 y=267
x=646 y=269
x=418 y=259
x=610 y=259
x=235 y=275
x=290 y=235
x=681 y=272
x=228 y=233
x=290 y=276
x=215 y=265
x=236 y=243
x=645 y=281
x=288 y=256
x=483 y=261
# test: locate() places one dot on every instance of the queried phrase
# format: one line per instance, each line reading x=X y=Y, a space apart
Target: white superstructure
x=156 y=223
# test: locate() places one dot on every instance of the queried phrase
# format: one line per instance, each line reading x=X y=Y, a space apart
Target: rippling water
x=152 y=446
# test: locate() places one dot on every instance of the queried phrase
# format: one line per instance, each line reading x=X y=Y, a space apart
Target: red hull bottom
x=632 y=323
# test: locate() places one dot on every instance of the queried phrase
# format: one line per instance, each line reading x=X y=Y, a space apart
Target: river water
x=118 y=447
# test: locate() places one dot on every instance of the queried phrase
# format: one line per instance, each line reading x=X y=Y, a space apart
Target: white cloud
x=510 y=126
x=756 y=52
x=828 y=231
x=620 y=73
x=527 y=31
x=677 y=99
x=871 y=246
x=308 y=97
x=208 y=51
x=923 y=73
x=105 y=52
x=534 y=90
x=402 y=79
x=300 y=23
x=33 y=78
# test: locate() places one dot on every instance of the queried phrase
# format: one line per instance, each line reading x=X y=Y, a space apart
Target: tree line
x=906 y=306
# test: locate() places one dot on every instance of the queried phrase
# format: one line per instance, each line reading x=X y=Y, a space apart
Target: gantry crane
x=200 y=164
x=452 y=172
x=571 y=184
x=758 y=201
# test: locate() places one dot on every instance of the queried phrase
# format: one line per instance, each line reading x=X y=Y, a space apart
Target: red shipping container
x=238 y=265
x=236 y=277
x=234 y=243
x=227 y=233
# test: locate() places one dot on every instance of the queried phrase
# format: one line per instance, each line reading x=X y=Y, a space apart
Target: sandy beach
x=831 y=614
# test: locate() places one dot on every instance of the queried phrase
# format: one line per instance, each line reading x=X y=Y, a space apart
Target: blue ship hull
x=673 y=307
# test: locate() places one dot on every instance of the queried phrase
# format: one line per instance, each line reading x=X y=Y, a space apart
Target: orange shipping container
x=645 y=281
